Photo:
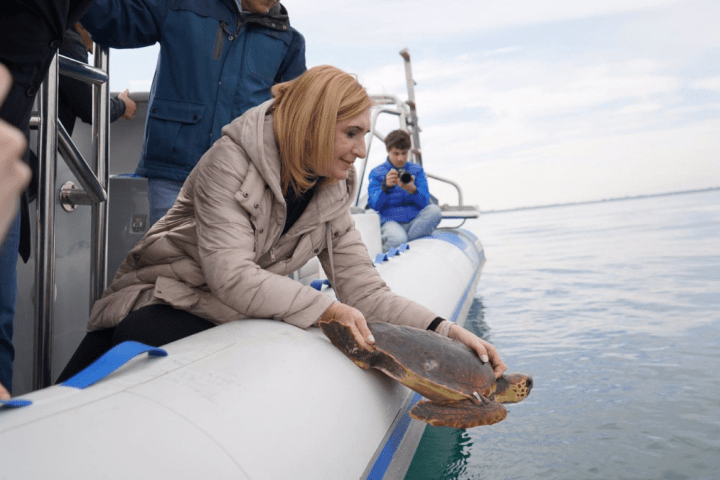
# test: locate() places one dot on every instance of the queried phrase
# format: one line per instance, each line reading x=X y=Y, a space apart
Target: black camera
x=404 y=175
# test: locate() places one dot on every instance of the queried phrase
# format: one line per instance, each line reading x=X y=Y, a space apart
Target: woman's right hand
x=486 y=351
x=351 y=317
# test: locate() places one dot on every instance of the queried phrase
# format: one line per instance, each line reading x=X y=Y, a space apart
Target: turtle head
x=513 y=387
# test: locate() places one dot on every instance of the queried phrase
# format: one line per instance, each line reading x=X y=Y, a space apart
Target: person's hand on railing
x=130 y=105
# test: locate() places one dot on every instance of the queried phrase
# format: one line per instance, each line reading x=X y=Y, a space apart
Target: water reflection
x=476 y=319
x=442 y=454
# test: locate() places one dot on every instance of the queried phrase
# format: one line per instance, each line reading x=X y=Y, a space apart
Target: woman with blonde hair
x=274 y=191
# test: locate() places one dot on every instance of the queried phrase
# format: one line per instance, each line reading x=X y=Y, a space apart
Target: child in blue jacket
x=398 y=191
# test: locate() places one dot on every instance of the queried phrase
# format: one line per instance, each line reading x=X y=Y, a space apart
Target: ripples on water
x=614 y=308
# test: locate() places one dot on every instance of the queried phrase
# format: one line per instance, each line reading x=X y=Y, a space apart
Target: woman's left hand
x=354 y=320
x=485 y=350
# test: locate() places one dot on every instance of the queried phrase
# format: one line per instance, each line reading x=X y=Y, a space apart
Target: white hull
x=253 y=399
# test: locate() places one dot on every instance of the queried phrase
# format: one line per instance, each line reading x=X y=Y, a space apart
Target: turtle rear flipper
x=460 y=414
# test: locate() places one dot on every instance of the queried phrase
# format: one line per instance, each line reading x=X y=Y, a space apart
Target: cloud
x=673 y=159
x=381 y=21
x=475 y=104
x=708 y=83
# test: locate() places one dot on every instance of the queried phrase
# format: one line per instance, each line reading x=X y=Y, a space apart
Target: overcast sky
x=528 y=102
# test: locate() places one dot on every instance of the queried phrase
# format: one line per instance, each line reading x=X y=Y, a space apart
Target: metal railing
x=408 y=119
x=413 y=121
x=51 y=135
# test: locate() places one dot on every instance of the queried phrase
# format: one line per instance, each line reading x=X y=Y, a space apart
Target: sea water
x=614 y=308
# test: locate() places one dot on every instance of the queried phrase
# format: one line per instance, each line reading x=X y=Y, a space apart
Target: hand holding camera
x=401 y=178
x=404 y=176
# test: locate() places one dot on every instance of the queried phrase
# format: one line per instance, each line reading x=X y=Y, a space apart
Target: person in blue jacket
x=218 y=58
x=398 y=191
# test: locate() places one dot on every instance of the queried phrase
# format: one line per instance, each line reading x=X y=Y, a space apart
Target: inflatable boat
x=252 y=399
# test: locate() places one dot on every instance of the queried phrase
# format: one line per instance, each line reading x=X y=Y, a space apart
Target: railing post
x=45 y=234
x=100 y=140
x=417 y=152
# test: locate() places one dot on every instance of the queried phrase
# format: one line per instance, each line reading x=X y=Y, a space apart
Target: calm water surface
x=614 y=308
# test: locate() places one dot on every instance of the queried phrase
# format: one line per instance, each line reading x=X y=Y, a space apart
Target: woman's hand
x=485 y=351
x=345 y=315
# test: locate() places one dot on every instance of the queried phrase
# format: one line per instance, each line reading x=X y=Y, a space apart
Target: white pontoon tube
x=252 y=399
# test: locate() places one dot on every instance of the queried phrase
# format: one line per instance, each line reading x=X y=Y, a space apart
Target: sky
x=528 y=103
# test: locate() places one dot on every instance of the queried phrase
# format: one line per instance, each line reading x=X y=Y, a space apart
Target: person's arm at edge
x=125 y=23
x=14 y=174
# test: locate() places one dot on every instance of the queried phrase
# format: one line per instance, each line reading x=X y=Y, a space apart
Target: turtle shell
x=437 y=367
x=461 y=391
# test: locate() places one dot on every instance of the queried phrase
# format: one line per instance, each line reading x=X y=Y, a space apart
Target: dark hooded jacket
x=215 y=63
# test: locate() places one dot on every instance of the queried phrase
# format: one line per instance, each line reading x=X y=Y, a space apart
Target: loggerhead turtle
x=461 y=391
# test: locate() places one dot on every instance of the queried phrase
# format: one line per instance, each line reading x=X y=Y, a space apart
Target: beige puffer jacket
x=219 y=252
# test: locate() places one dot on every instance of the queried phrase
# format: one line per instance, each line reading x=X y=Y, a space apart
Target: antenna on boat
x=413 y=121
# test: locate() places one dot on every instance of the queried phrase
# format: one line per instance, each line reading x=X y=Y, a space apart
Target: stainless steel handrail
x=373 y=133
x=400 y=109
x=408 y=119
x=93 y=191
x=101 y=158
x=82 y=71
x=448 y=181
x=45 y=234
x=50 y=136
x=79 y=167
x=414 y=126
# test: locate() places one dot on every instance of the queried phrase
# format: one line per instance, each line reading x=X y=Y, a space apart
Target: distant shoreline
x=618 y=199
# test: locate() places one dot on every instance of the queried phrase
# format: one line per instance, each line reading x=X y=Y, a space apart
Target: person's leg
x=92 y=347
x=158 y=325
x=392 y=234
x=8 y=294
x=154 y=325
x=425 y=223
x=161 y=196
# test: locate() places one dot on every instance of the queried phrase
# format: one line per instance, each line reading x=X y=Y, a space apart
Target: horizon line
x=614 y=199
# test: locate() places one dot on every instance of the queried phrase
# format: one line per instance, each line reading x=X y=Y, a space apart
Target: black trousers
x=154 y=325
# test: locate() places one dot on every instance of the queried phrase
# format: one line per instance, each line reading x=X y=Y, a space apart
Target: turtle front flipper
x=341 y=336
x=460 y=414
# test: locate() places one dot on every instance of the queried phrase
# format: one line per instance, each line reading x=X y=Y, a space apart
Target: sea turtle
x=461 y=391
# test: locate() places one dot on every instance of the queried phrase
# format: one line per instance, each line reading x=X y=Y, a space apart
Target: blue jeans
x=8 y=293
x=161 y=196
x=396 y=233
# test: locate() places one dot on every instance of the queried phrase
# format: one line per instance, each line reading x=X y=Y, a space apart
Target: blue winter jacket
x=395 y=203
x=215 y=63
